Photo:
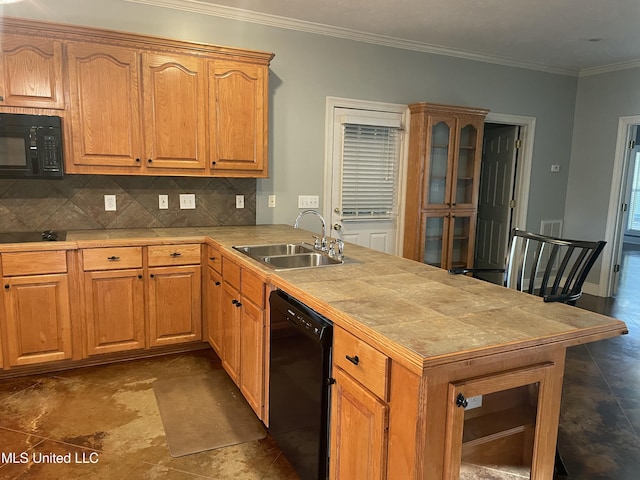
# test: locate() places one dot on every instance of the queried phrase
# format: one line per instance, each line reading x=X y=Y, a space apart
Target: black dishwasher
x=300 y=361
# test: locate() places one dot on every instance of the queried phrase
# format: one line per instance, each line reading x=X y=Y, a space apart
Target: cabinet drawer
x=112 y=258
x=231 y=272
x=367 y=365
x=34 y=263
x=214 y=258
x=167 y=255
x=252 y=287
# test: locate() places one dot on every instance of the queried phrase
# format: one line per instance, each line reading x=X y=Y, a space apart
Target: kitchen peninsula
x=428 y=343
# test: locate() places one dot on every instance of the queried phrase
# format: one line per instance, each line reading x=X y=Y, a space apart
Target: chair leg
x=559 y=470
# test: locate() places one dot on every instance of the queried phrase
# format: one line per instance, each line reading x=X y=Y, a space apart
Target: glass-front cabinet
x=445 y=151
x=493 y=424
x=448 y=238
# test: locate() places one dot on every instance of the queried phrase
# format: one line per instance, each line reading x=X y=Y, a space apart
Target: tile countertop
x=411 y=311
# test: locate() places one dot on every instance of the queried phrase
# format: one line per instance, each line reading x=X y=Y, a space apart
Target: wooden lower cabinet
x=174 y=305
x=231 y=331
x=359 y=423
x=38 y=321
x=115 y=310
x=243 y=324
x=213 y=315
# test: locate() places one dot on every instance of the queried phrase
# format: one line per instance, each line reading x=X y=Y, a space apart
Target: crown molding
x=204 y=8
x=614 y=67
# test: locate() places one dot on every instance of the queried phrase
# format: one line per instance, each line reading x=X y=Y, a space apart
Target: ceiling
x=563 y=36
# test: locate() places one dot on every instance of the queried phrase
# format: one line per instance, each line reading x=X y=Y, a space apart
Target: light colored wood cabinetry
x=37 y=320
x=445 y=151
x=132 y=306
x=359 y=419
x=213 y=287
x=238 y=107
x=30 y=72
x=114 y=299
x=174 y=99
x=105 y=103
x=174 y=294
x=243 y=331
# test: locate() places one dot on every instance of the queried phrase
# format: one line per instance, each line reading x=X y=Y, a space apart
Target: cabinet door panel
x=252 y=355
x=104 y=87
x=175 y=111
x=214 y=315
x=38 y=319
x=30 y=72
x=358 y=431
x=174 y=305
x=115 y=311
x=231 y=332
x=238 y=122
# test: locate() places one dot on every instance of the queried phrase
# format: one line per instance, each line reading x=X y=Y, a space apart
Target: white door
x=494 y=201
x=366 y=154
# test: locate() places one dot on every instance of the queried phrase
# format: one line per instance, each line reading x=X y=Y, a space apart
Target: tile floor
x=111 y=412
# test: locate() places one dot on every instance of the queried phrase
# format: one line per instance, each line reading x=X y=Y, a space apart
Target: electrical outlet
x=272 y=201
x=555 y=168
x=110 y=203
x=308 y=201
x=474 y=402
x=187 y=201
x=239 y=201
x=163 y=202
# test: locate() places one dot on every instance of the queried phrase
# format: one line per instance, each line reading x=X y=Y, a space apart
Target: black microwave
x=30 y=146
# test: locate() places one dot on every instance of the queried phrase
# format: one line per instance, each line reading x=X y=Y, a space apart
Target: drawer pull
x=355 y=360
x=175 y=254
x=217 y=284
x=212 y=258
x=113 y=258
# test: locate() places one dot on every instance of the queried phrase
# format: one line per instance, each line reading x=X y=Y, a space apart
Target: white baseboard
x=591 y=288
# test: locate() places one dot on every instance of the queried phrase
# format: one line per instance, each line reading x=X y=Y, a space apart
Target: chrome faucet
x=319 y=244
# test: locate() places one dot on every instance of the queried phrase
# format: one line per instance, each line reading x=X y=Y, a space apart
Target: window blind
x=633 y=221
x=369 y=168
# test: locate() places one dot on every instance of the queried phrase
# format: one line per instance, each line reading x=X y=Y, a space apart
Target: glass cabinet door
x=435 y=228
x=465 y=168
x=462 y=233
x=439 y=163
x=494 y=422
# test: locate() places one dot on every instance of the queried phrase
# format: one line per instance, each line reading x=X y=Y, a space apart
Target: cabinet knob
x=234 y=301
x=461 y=401
x=212 y=258
x=355 y=360
x=152 y=276
x=149 y=161
x=6 y=285
x=137 y=160
x=217 y=284
x=1 y=98
x=331 y=381
x=213 y=163
x=238 y=304
x=139 y=276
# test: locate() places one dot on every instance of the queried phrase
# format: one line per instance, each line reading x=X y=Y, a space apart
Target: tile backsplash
x=77 y=202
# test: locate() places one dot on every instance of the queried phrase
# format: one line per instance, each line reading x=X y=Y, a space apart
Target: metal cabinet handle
x=139 y=276
x=355 y=360
x=238 y=304
x=217 y=283
x=175 y=254
x=212 y=258
x=461 y=401
x=137 y=160
x=149 y=161
x=7 y=286
x=1 y=98
x=234 y=301
x=113 y=258
x=152 y=276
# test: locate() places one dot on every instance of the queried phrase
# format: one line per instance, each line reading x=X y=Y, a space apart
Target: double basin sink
x=287 y=256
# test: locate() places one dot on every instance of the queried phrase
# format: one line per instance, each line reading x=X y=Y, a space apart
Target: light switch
x=110 y=203
x=163 y=202
x=187 y=201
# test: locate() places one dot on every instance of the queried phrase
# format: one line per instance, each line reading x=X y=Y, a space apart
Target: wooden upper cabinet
x=174 y=111
x=104 y=95
x=238 y=105
x=30 y=72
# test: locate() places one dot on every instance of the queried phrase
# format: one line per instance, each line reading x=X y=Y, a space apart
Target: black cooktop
x=21 y=237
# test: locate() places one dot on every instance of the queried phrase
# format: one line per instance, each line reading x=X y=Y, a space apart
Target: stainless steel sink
x=301 y=260
x=258 y=251
x=287 y=256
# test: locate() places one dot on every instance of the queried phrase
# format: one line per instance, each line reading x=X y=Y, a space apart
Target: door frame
x=338 y=102
x=525 y=160
x=613 y=233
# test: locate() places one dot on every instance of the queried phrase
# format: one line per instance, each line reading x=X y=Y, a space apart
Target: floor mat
x=204 y=412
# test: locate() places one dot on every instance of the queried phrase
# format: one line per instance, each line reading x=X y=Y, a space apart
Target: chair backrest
x=553 y=268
